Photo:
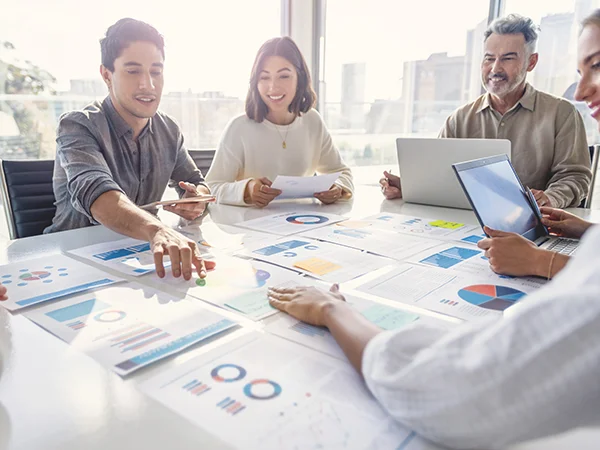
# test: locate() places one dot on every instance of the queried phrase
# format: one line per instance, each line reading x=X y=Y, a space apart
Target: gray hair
x=515 y=24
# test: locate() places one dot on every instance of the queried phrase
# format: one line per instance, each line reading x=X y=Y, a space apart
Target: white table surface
x=53 y=397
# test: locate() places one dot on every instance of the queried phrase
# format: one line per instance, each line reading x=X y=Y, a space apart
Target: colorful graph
x=474 y=238
x=136 y=336
x=256 y=389
x=27 y=276
x=450 y=257
x=356 y=234
x=231 y=406
x=75 y=314
x=196 y=388
x=309 y=219
x=489 y=296
x=228 y=373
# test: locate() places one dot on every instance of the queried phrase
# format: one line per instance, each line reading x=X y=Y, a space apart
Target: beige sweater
x=249 y=149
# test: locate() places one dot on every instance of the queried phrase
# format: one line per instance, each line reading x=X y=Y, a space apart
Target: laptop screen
x=498 y=197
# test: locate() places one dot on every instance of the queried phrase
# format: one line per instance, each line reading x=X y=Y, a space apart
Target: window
x=391 y=71
x=49 y=59
x=556 y=71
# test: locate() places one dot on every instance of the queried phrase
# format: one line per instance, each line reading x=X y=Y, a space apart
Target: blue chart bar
x=450 y=257
x=57 y=294
x=114 y=254
x=309 y=330
x=227 y=401
x=191 y=385
x=176 y=345
x=77 y=310
x=280 y=247
x=140 y=247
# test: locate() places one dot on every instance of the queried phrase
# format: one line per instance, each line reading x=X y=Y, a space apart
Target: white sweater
x=249 y=149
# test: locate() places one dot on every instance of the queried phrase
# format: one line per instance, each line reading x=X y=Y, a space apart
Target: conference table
x=53 y=397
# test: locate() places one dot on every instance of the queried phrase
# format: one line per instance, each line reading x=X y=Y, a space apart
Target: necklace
x=283 y=138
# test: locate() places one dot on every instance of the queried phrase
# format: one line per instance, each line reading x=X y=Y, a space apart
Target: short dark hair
x=305 y=97
x=123 y=33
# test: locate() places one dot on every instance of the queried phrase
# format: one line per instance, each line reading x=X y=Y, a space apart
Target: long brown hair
x=305 y=97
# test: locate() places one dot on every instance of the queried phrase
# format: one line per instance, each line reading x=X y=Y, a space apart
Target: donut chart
x=307 y=219
x=216 y=373
x=490 y=296
x=110 y=316
x=273 y=388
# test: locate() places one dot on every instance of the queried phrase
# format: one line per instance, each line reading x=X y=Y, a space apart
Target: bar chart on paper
x=259 y=384
x=128 y=256
x=129 y=327
x=40 y=280
x=322 y=260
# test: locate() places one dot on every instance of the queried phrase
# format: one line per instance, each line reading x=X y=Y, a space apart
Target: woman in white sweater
x=280 y=134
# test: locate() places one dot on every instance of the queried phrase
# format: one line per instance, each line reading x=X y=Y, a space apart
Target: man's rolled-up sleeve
x=87 y=173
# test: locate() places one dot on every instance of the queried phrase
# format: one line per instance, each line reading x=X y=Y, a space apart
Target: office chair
x=594 y=154
x=203 y=159
x=27 y=196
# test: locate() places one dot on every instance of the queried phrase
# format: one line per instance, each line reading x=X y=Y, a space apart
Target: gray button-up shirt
x=96 y=153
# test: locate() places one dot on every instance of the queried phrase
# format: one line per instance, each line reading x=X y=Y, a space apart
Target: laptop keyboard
x=564 y=246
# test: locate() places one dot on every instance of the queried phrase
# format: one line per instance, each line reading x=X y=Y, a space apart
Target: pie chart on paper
x=490 y=296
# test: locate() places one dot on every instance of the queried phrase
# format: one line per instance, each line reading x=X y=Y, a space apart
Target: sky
x=211 y=44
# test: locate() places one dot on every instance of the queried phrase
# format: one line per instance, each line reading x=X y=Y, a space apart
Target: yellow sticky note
x=317 y=266
x=354 y=224
x=448 y=225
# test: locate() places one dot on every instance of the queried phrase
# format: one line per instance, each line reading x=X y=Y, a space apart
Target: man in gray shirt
x=121 y=152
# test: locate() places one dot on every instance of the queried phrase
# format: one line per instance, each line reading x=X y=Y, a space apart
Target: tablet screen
x=499 y=199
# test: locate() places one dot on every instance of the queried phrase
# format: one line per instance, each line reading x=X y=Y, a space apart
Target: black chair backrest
x=28 y=196
x=203 y=159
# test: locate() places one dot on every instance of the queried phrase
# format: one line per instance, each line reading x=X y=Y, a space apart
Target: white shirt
x=533 y=373
x=249 y=149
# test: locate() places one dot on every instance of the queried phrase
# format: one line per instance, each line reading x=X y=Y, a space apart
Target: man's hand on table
x=183 y=253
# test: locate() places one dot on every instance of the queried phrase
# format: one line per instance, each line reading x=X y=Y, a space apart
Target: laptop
x=425 y=165
x=500 y=201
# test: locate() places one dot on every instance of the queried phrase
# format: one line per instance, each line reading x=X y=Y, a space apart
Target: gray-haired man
x=547 y=135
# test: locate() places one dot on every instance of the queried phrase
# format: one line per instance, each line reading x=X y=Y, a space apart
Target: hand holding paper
x=304 y=187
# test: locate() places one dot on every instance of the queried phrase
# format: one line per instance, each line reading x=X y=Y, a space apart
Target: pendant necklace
x=283 y=138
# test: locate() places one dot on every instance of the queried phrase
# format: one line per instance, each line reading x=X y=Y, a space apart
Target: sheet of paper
x=318 y=338
x=469 y=260
x=129 y=326
x=419 y=226
x=212 y=237
x=128 y=256
x=380 y=242
x=463 y=296
x=39 y=280
x=285 y=224
x=328 y=262
x=279 y=395
x=237 y=284
x=302 y=187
